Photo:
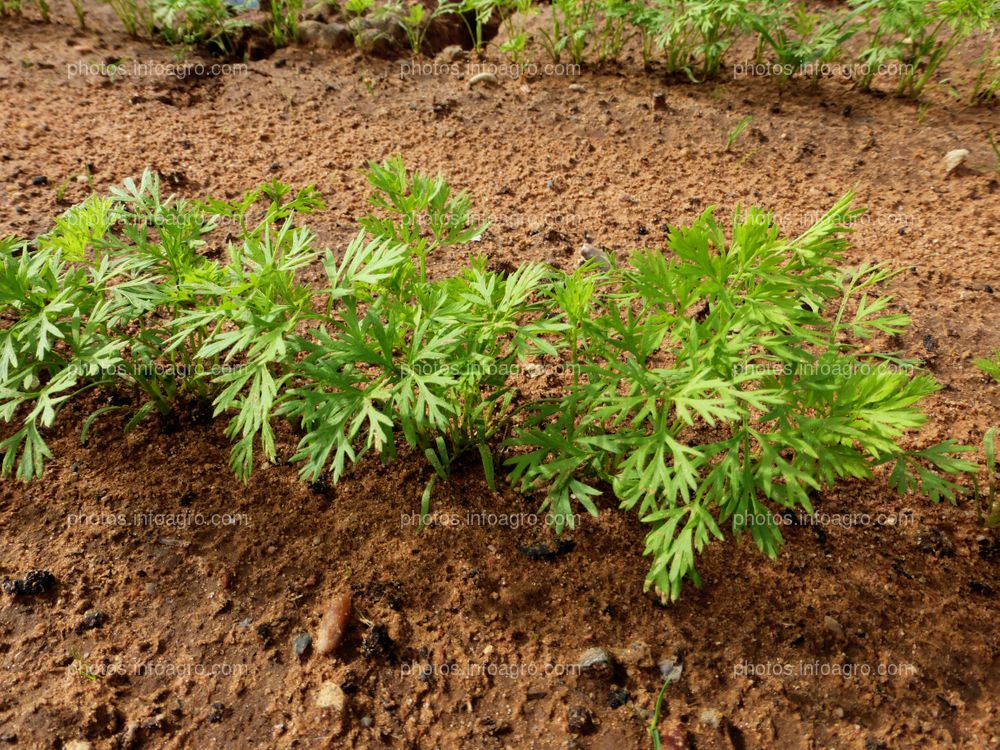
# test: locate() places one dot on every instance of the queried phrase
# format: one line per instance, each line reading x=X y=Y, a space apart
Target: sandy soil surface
x=877 y=628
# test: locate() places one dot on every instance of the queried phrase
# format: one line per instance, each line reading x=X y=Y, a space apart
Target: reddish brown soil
x=197 y=648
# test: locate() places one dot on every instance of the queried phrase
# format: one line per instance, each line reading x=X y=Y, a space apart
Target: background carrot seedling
x=654 y=723
x=737 y=131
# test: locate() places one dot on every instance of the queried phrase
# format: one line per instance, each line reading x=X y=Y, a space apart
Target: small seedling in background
x=61 y=189
x=990 y=516
x=476 y=14
x=987 y=83
x=133 y=15
x=81 y=667
x=415 y=25
x=654 y=723
x=81 y=14
x=513 y=17
x=996 y=162
x=207 y=23
x=285 y=21
x=737 y=131
x=356 y=9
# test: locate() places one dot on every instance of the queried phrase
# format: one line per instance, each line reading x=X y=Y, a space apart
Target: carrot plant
x=118 y=296
x=428 y=361
x=573 y=24
x=57 y=341
x=514 y=15
x=613 y=33
x=987 y=81
x=475 y=14
x=711 y=388
x=80 y=11
x=245 y=317
x=990 y=514
x=284 y=24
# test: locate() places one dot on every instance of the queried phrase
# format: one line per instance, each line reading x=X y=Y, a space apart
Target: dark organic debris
x=321 y=487
x=978 y=587
x=543 y=551
x=934 y=541
x=35 y=582
x=377 y=643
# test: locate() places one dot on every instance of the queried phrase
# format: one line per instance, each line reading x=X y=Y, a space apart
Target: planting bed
x=876 y=628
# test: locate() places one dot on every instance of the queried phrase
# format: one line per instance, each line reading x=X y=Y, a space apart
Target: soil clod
x=331 y=695
x=579 y=720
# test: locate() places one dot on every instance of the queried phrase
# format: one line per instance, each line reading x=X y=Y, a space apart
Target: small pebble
x=593 y=253
x=302 y=643
x=367 y=721
x=831 y=624
x=594 y=658
x=671 y=669
x=711 y=717
x=954 y=159
x=331 y=695
x=39 y=180
x=483 y=78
